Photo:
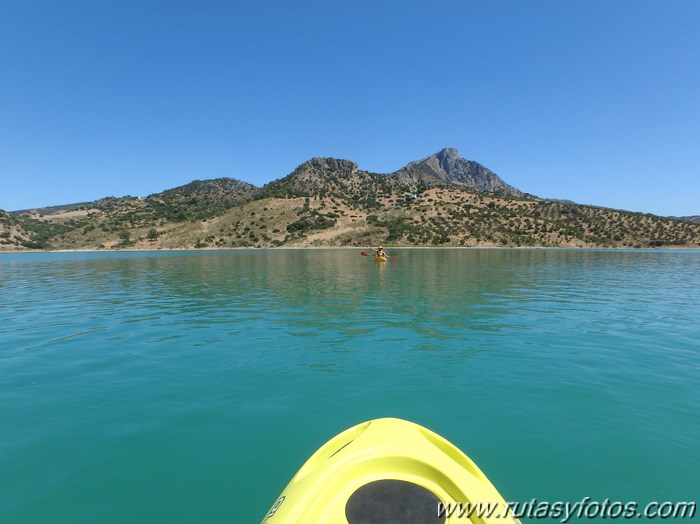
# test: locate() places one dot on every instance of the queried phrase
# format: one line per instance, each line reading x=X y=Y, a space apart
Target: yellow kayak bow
x=389 y=471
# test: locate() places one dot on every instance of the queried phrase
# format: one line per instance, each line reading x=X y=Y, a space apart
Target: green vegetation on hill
x=200 y=199
x=445 y=216
x=329 y=202
x=20 y=232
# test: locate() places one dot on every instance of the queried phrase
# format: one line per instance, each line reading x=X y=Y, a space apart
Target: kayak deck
x=386 y=471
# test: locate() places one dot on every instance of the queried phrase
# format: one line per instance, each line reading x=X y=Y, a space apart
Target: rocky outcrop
x=344 y=179
x=321 y=176
x=448 y=167
x=329 y=164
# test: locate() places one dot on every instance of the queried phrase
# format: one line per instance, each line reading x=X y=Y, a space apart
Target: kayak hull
x=386 y=471
x=381 y=259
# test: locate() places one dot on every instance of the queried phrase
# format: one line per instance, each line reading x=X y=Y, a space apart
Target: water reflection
x=438 y=294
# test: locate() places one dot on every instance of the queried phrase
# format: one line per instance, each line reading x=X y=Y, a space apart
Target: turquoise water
x=189 y=387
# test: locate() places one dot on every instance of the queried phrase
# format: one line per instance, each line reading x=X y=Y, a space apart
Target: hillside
x=13 y=235
x=442 y=200
x=202 y=199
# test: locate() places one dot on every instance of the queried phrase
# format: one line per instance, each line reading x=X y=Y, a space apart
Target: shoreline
x=294 y=248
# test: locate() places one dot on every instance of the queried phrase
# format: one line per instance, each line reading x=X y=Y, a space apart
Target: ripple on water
x=124 y=371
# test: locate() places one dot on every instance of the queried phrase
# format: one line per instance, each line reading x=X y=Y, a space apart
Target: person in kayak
x=379 y=252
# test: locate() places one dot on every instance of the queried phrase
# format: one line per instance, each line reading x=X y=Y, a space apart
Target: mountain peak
x=329 y=163
x=448 y=167
x=448 y=153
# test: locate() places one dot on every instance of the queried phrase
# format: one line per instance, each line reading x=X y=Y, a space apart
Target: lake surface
x=189 y=387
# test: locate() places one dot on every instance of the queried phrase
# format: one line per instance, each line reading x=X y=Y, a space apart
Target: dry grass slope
x=341 y=215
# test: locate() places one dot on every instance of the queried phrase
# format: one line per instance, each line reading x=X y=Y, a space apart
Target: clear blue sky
x=594 y=101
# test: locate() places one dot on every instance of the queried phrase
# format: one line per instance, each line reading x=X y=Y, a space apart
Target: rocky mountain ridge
x=441 y=200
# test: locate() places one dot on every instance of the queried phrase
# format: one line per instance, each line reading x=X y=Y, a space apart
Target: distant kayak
x=378 y=258
x=388 y=471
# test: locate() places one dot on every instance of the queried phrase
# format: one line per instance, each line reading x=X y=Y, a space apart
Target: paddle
x=365 y=254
